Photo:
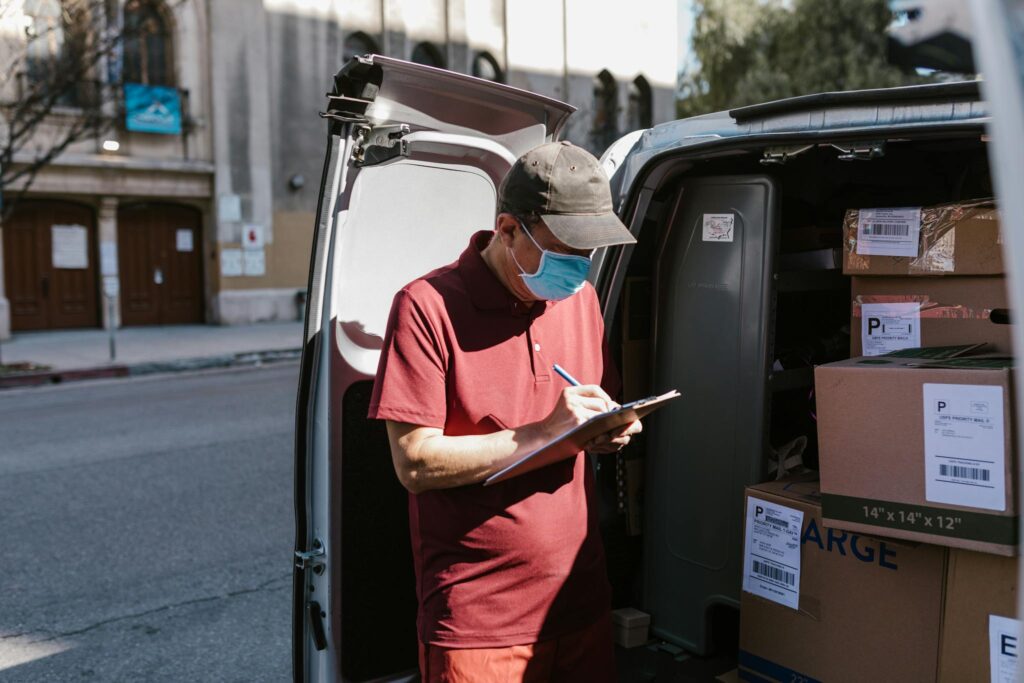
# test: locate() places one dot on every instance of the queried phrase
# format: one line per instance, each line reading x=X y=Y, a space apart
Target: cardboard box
x=955 y=239
x=978 y=587
x=869 y=609
x=892 y=312
x=630 y=626
x=920 y=450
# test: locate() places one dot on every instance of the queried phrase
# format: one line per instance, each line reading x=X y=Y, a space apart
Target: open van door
x=414 y=158
x=999 y=52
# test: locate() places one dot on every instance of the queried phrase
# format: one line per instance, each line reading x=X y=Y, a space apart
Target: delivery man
x=510 y=578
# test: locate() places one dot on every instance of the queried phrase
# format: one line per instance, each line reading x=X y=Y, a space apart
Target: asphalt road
x=146 y=529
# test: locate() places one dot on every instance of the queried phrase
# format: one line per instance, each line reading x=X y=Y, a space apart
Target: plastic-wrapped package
x=959 y=238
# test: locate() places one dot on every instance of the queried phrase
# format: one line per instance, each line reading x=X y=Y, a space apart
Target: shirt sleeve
x=410 y=384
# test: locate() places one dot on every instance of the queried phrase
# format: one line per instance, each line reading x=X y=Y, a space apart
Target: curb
x=248 y=358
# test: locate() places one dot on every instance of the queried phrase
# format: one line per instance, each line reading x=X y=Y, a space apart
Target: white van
x=414 y=157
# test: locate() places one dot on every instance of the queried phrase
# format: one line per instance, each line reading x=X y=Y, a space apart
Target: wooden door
x=50 y=266
x=160 y=254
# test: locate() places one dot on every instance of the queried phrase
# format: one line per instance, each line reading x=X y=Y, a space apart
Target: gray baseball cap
x=565 y=185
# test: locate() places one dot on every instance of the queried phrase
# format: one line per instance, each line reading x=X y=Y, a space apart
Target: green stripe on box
x=972 y=526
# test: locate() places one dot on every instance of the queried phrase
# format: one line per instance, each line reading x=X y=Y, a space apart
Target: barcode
x=887 y=229
x=775 y=520
x=959 y=472
x=774 y=573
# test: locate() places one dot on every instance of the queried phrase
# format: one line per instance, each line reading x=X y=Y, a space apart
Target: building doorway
x=50 y=266
x=160 y=260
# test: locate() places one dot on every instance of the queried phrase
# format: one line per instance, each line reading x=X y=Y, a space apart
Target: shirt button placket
x=540 y=367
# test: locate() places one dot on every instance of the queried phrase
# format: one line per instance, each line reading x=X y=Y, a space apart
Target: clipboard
x=572 y=441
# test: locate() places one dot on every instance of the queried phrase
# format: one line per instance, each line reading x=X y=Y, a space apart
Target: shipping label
x=718 y=227
x=964 y=450
x=1003 y=639
x=888 y=232
x=771 y=557
x=889 y=327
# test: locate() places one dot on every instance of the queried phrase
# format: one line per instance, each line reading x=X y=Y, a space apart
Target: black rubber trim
x=941 y=92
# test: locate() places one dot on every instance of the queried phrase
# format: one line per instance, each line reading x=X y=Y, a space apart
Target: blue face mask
x=558 y=276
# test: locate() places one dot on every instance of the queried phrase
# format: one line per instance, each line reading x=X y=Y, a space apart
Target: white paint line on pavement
x=18 y=650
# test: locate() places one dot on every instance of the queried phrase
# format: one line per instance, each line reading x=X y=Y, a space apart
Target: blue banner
x=152 y=109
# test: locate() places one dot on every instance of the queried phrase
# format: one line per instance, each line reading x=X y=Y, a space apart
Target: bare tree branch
x=56 y=85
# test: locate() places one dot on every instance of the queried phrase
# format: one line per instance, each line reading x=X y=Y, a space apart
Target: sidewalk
x=80 y=354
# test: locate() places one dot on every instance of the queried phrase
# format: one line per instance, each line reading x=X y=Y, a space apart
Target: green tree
x=759 y=50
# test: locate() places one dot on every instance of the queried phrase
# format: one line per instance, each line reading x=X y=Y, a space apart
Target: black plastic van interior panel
x=712 y=334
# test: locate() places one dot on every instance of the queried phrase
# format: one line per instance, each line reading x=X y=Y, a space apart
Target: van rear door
x=414 y=157
x=1000 y=56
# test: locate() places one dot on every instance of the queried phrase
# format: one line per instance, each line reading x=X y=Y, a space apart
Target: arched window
x=358 y=44
x=55 y=38
x=148 y=53
x=604 y=129
x=425 y=53
x=640 y=109
x=486 y=66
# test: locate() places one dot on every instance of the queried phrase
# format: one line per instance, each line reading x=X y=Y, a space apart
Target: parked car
x=414 y=157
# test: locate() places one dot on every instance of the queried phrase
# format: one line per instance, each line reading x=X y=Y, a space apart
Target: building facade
x=199 y=204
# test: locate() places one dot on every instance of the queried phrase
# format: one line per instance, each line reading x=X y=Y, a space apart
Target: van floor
x=659 y=662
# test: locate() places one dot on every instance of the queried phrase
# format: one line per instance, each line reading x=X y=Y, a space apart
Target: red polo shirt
x=520 y=561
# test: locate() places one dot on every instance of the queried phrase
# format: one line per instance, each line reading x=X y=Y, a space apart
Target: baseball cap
x=565 y=185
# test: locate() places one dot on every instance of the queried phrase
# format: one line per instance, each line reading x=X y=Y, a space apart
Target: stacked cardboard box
x=823 y=604
x=925 y=277
x=905 y=550
x=820 y=604
x=919 y=449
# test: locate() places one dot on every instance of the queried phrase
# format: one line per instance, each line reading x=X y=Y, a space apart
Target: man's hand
x=613 y=441
x=576 y=405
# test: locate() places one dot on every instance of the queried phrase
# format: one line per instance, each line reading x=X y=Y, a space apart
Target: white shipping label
x=1003 y=638
x=183 y=239
x=964 y=451
x=888 y=232
x=718 y=227
x=889 y=327
x=69 y=246
x=771 y=552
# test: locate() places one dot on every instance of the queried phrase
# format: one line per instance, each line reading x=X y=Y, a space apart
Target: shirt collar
x=486 y=291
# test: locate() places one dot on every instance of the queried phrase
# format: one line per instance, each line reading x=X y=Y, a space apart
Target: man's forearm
x=427 y=459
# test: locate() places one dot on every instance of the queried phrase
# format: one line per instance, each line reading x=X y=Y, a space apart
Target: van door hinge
x=780 y=155
x=861 y=152
x=306 y=559
x=383 y=143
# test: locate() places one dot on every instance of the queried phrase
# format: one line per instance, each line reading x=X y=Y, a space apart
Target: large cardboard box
x=890 y=313
x=977 y=626
x=867 y=609
x=920 y=450
x=954 y=239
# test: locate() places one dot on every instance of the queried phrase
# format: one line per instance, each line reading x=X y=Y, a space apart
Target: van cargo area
x=815 y=506
x=736 y=315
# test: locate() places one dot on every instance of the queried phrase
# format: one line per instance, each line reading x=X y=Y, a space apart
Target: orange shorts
x=586 y=656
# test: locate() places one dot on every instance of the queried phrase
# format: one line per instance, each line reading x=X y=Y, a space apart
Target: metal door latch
x=305 y=559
